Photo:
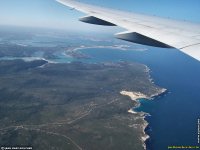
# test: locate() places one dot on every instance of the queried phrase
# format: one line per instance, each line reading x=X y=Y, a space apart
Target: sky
x=51 y=14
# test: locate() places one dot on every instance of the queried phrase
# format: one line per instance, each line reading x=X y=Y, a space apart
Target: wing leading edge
x=143 y=29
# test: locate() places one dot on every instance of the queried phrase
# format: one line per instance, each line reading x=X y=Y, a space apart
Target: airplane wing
x=143 y=29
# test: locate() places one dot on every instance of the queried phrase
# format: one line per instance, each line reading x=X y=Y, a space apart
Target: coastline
x=72 y=50
x=136 y=96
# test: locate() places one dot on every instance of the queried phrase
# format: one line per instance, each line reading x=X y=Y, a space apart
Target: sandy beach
x=133 y=95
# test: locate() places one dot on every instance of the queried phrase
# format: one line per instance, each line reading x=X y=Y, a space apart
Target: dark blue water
x=173 y=119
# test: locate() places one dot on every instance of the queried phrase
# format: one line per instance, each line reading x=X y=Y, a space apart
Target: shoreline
x=119 y=47
x=136 y=96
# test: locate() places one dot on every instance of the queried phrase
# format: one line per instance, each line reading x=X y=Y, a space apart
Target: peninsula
x=74 y=106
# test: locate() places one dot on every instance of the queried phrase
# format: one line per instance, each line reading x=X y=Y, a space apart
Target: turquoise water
x=173 y=119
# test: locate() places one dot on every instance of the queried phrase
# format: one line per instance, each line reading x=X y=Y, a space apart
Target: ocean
x=174 y=116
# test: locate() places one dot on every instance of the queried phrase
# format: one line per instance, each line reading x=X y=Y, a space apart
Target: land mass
x=73 y=106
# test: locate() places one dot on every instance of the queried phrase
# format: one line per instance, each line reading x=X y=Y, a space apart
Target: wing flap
x=193 y=51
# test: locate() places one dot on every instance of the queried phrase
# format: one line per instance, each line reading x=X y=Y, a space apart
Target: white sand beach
x=134 y=95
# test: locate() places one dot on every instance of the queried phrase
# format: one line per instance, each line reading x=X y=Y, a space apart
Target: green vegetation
x=71 y=106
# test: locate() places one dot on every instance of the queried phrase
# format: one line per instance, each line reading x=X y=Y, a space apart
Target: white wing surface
x=143 y=29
